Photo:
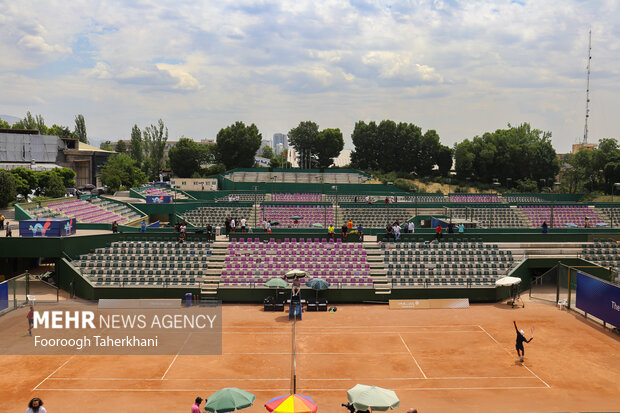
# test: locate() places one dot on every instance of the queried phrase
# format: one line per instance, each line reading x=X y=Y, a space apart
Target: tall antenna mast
x=585 y=129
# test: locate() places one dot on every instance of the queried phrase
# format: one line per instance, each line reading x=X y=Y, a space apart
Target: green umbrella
x=318 y=284
x=229 y=400
x=363 y=397
x=297 y=217
x=317 y=225
x=276 y=283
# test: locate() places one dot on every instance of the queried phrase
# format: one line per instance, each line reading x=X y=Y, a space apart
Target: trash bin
x=188 y=299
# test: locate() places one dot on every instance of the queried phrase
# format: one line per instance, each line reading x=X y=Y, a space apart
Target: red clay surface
x=435 y=360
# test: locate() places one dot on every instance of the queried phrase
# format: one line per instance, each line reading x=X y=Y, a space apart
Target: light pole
x=255 y=196
x=335 y=187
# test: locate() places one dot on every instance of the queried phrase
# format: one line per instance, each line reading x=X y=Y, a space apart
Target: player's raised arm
x=515 y=323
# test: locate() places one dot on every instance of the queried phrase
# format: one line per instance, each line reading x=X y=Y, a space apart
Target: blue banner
x=599 y=298
x=159 y=199
x=4 y=295
x=47 y=227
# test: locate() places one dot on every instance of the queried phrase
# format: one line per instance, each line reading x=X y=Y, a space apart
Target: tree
x=66 y=175
x=80 y=128
x=155 y=137
x=121 y=147
x=304 y=139
x=237 y=144
x=444 y=160
x=106 y=146
x=25 y=179
x=328 y=145
x=136 y=150
x=267 y=152
x=63 y=132
x=4 y=124
x=50 y=184
x=31 y=122
x=186 y=157
x=121 y=170
x=7 y=188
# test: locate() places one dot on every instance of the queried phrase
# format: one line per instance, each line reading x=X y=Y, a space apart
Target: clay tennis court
x=436 y=361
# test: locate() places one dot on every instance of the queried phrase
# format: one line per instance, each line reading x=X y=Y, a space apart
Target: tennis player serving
x=520 y=339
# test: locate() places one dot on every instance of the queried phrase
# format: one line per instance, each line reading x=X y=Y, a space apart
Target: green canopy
x=276 y=283
x=229 y=400
x=318 y=284
x=363 y=397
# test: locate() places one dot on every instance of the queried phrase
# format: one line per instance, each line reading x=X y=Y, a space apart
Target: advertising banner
x=598 y=298
x=159 y=199
x=47 y=227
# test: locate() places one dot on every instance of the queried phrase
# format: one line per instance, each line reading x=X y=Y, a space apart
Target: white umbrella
x=507 y=281
x=295 y=273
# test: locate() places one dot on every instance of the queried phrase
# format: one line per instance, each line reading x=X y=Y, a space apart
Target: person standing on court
x=9 y=232
x=520 y=340
x=30 y=318
x=196 y=405
x=36 y=406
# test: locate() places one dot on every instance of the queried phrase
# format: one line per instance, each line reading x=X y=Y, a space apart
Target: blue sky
x=460 y=67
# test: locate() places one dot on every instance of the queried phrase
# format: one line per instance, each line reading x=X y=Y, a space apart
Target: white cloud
x=461 y=67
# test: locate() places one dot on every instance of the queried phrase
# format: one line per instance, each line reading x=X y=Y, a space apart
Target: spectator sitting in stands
x=450 y=228
x=114 y=227
x=209 y=230
x=344 y=230
x=396 y=231
x=461 y=228
x=331 y=231
x=389 y=231
x=411 y=227
x=438 y=232
x=544 y=227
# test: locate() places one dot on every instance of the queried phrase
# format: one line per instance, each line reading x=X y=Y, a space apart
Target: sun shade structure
x=318 y=284
x=363 y=397
x=507 y=281
x=229 y=400
x=295 y=403
x=295 y=274
x=276 y=283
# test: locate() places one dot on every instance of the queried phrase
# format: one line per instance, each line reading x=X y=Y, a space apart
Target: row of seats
x=297 y=177
x=490 y=217
x=215 y=216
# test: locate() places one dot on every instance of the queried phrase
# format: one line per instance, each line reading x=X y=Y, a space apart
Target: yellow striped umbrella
x=294 y=403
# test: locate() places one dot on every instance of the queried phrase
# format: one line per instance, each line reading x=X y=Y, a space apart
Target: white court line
x=52 y=373
x=530 y=370
x=353 y=332
x=288 y=378
x=301 y=389
x=163 y=390
x=416 y=361
x=358 y=327
x=438 y=388
x=175 y=357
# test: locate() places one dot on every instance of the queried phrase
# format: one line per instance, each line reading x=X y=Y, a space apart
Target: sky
x=459 y=67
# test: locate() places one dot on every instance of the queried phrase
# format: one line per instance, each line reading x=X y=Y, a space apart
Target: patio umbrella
x=274 y=223
x=571 y=225
x=276 y=283
x=295 y=403
x=295 y=274
x=363 y=397
x=317 y=225
x=229 y=400
x=601 y=224
x=297 y=217
x=318 y=284
x=507 y=281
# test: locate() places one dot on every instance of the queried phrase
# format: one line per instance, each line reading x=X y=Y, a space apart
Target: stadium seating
x=305 y=197
x=603 y=252
x=491 y=217
x=215 y=216
x=612 y=214
x=522 y=198
x=562 y=215
x=375 y=217
x=242 y=197
x=296 y=177
x=158 y=191
x=419 y=198
x=310 y=214
x=475 y=198
x=254 y=262
x=89 y=212
x=140 y=263
x=445 y=263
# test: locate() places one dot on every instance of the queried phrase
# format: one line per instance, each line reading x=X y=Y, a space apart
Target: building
x=280 y=143
x=29 y=149
x=265 y=142
x=587 y=146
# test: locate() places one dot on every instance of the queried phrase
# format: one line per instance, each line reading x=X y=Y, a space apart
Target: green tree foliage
x=186 y=157
x=25 y=179
x=136 y=150
x=444 y=160
x=106 y=146
x=80 y=128
x=62 y=132
x=266 y=152
x=4 y=124
x=67 y=175
x=50 y=184
x=8 y=190
x=400 y=147
x=517 y=153
x=31 y=122
x=237 y=144
x=155 y=137
x=121 y=170
x=328 y=145
x=303 y=138
x=121 y=147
